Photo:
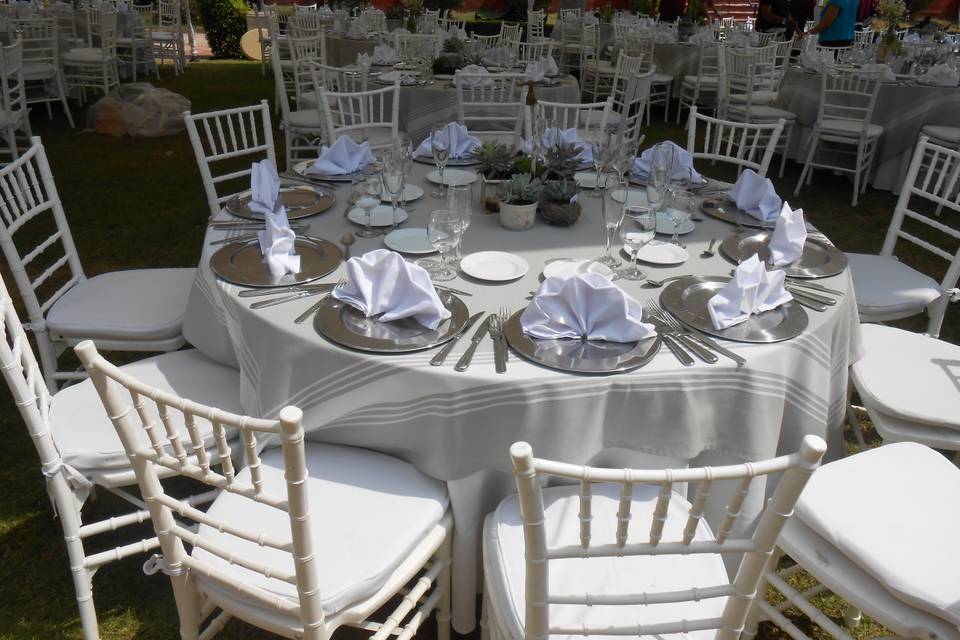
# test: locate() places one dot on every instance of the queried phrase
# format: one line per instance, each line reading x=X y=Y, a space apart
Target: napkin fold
x=264 y=187
x=756 y=196
x=817 y=60
x=884 y=71
x=586 y=306
x=462 y=144
x=476 y=70
x=682 y=164
x=751 y=290
x=382 y=283
x=941 y=75
x=789 y=236
x=345 y=156
x=364 y=59
x=543 y=68
x=403 y=77
x=497 y=56
x=554 y=135
x=384 y=54
x=356 y=30
x=277 y=239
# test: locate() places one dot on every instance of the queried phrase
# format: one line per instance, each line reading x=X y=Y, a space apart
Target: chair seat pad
x=929 y=394
x=307 y=119
x=86 y=437
x=757 y=98
x=708 y=80
x=887 y=287
x=900 y=531
x=38 y=70
x=592 y=118
x=949 y=135
x=603 y=66
x=764 y=113
x=84 y=55
x=849 y=127
x=505 y=569
x=661 y=78
x=139 y=304
x=163 y=35
x=370 y=512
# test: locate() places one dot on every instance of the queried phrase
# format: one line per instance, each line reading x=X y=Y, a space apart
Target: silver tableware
x=275 y=291
x=713 y=344
x=818 y=260
x=441 y=355
x=680 y=333
x=822 y=299
x=809 y=303
x=475 y=339
x=300 y=202
x=674 y=346
x=499 y=348
x=451 y=162
x=242 y=263
x=313 y=308
x=816 y=286
x=659 y=283
x=686 y=300
x=311 y=181
x=725 y=209
x=296 y=295
x=346 y=240
x=708 y=252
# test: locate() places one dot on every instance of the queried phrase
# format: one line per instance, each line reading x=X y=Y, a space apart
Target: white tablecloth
x=458 y=427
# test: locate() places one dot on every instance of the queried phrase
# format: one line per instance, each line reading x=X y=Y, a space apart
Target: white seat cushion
x=909 y=375
x=692 y=80
x=764 y=113
x=661 y=78
x=85 y=55
x=850 y=127
x=309 y=119
x=139 y=304
x=503 y=550
x=887 y=288
x=38 y=70
x=370 y=511
x=592 y=118
x=84 y=434
x=758 y=98
x=902 y=530
x=950 y=135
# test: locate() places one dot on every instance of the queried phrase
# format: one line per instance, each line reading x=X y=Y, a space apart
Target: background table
x=458 y=427
x=343 y=51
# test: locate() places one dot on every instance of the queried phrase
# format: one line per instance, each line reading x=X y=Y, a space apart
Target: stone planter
x=489 y=187
x=517 y=217
x=560 y=214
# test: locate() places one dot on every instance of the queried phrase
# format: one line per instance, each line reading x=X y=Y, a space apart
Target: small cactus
x=520 y=189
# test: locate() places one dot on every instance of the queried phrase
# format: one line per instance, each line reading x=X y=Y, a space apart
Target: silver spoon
x=708 y=252
x=659 y=283
x=346 y=240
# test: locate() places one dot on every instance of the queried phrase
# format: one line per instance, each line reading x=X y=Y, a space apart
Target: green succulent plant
x=473 y=58
x=521 y=189
x=558 y=191
x=496 y=159
x=560 y=161
x=453 y=45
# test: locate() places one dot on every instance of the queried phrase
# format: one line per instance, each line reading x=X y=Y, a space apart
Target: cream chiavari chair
x=410 y=46
x=94 y=66
x=701 y=90
x=136 y=50
x=79 y=450
x=528 y=52
x=168 y=35
x=134 y=310
x=491 y=106
x=630 y=95
x=844 y=128
x=302 y=127
x=618 y=552
x=41 y=64
x=259 y=554
x=535 y=24
x=225 y=144
x=887 y=288
x=588 y=118
x=14 y=113
x=748 y=146
x=366 y=116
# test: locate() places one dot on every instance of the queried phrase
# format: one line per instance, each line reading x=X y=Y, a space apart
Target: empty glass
x=368 y=193
x=443 y=230
x=602 y=149
x=637 y=229
x=440 y=145
x=680 y=210
x=458 y=201
x=612 y=211
x=393 y=183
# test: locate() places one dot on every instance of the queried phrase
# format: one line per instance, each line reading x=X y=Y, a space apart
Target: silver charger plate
x=301 y=202
x=819 y=259
x=451 y=162
x=687 y=300
x=592 y=357
x=725 y=209
x=301 y=170
x=242 y=263
x=348 y=327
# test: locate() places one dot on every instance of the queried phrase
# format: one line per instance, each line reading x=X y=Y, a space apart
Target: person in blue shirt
x=836 y=25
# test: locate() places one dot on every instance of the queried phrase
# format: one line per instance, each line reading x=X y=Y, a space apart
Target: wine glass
x=393 y=183
x=443 y=230
x=682 y=203
x=458 y=201
x=637 y=229
x=612 y=211
x=440 y=145
x=600 y=147
x=623 y=158
x=368 y=191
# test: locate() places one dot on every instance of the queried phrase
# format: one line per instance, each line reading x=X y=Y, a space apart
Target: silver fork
x=496 y=334
x=681 y=334
x=314 y=307
x=705 y=340
x=504 y=316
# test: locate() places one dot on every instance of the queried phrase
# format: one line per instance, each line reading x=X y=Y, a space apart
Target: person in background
x=774 y=14
x=802 y=12
x=670 y=10
x=836 y=25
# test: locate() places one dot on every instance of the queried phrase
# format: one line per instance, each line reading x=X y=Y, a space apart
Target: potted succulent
x=519 y=197
x=558 y=203
x=496 y=165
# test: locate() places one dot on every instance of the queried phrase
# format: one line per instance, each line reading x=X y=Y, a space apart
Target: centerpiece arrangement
x=892 y=12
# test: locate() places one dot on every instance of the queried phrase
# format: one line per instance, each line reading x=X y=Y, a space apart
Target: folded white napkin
x=264 y=187
x=554 y=135
x=462 y=144
x=756 y=196
x=815 y=60
x=496 y=56
x=476 y=70
x=345 y=156
x=884 y=71
x=277 y=239
x=364 y=59
x=384 y=54
x=542 y=68
x=382 y=282
x=586 y=305
x=789 y=236
x=752 y=289
x=682 y=164
x=403 y=77
x=942 y=76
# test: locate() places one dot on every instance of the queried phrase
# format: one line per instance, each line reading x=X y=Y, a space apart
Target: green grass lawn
x=139 y=203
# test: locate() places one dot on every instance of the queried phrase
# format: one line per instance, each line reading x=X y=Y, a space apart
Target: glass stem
x=368 y=216
x=610 y=243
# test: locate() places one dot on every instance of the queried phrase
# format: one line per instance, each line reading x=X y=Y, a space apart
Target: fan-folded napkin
x=756 y=196
x=883 y=71
x=752 y=289
x=345 y=156
x=586 y=306
x=789 y=236
x=817 y=60
x=942 y=76
x=682 y=164
x=462 y=144
x=384 y=54
x=476 y=70
x=553 y=136
x=277 y=239
x=543 y=68
x=382 y=283
x=364 y=60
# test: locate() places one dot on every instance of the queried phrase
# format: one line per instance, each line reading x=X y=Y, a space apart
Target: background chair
x=168 y=35
x=491 y=106
x=588 y=118
x=42 y=72
x=14 y=115
x=94 y=66
x=702 y=89
x=748 y=146
x=366 y=116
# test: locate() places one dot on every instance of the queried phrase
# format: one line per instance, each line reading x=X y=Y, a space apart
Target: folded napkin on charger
x=814 y=60
x=345 y=156
x=586 y=306
x=498 y=56
x=356 y=30
x=756 y=196
x=403 y=77
x=543 y=68
x=751 y=290
x=382 y=283
x=941 y=75
x=789 y=236
x=554 y=135
x=384 y=54
x=476 y=71
x=364 y=60
x=277 y=239
x=682 y=164
x=883 y=71
x=462 y=144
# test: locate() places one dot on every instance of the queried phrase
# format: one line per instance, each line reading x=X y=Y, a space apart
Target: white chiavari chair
x=366 y=116
x=571 y=14
x=618 y=552
x=42 y=72
x=701 y=90
x=510 y=32
x=14 y=113
x=225 y=144
x=535 y=25
x=661 y=87
x=630 y=95
x=374 y=21
x=528 y=52
x=302 y=127
x=135 y=310
x=304 y=52
x=262 y=24
x=599 y=77
x=280 y=56
x=261 y=552
x=429 y=21
x=79 y=450
x=844 y=128
x=135 y=51
x=66 y=20
x=588 y=118
x=491 y=106
x=168 y=35
x=570 y=43
x=411 y=46
x=304 y=8
x=748 y=146
x=943 y=135
x=887 y=288
x=485 y=43
x=94 y=66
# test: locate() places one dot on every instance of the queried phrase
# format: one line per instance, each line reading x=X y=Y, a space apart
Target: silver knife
x=438 y=359
x=467 y=356
x=813 y=285
x=262 y=304
x=695 y=347
x=713 y=344
x=312 y=310
x=810 y=303
x=677 y=350
x=275 y=291
x=807 y=293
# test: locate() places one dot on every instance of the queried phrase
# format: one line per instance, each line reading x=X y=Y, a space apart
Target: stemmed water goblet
x=368 y=192
x=682 y=203
x=611 y=211
x=440 y=145
x=602 y=148
x=458 y=202
x=393 y=183
x=661 y=166
x=637 y=228
x=443 y=230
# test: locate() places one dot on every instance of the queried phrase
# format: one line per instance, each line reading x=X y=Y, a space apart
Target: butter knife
x=467 y=356
x=677 y=350
x=807 y=293
x=306 y=293
x=438 y=359
x=713 y=344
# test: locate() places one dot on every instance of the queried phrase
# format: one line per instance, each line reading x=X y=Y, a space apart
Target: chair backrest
x=864 y=37
x=154 y=452
x=303 y=52
x=509 y=32
x=374 y=21
x=763 y=38
x=491 y=105
x=359 y=113
x=643 y=47
x=341 y=79
x=743 y=73
x=168 y=15
x=739 y=593
x=225 y=144
x=588 y=118
x=102 y=29
x=931 y=185
x=429 y=21
x=528 y=52
x=13 y=91
x=66 y=19
x=41 y=41
x=630 y=97
x=484 y=43
x=849 y=95
x=304 y=8
x=535 y=22
x=307 y=24
x=410 y=46
x=744 y=145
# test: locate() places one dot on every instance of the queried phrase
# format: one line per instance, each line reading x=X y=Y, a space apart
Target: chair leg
x=444 y=583
x=807 y=168
x=783 y=153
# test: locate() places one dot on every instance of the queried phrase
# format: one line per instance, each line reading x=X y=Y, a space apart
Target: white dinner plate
x=634 y=197
x=665 y=224
x=452 y=177
x=569 y=267
x=494 y=266
x=411 y=192
x=380 y=216
x=410 y=240
x=661 y=252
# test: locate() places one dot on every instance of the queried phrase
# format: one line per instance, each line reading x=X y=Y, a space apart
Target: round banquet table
x=343 y=51
x=901 y=109
x=458 y=427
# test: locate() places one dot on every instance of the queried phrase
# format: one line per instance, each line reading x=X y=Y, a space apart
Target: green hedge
x=225 y=22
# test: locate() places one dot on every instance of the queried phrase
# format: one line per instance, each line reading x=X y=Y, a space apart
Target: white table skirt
x=458 y=427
